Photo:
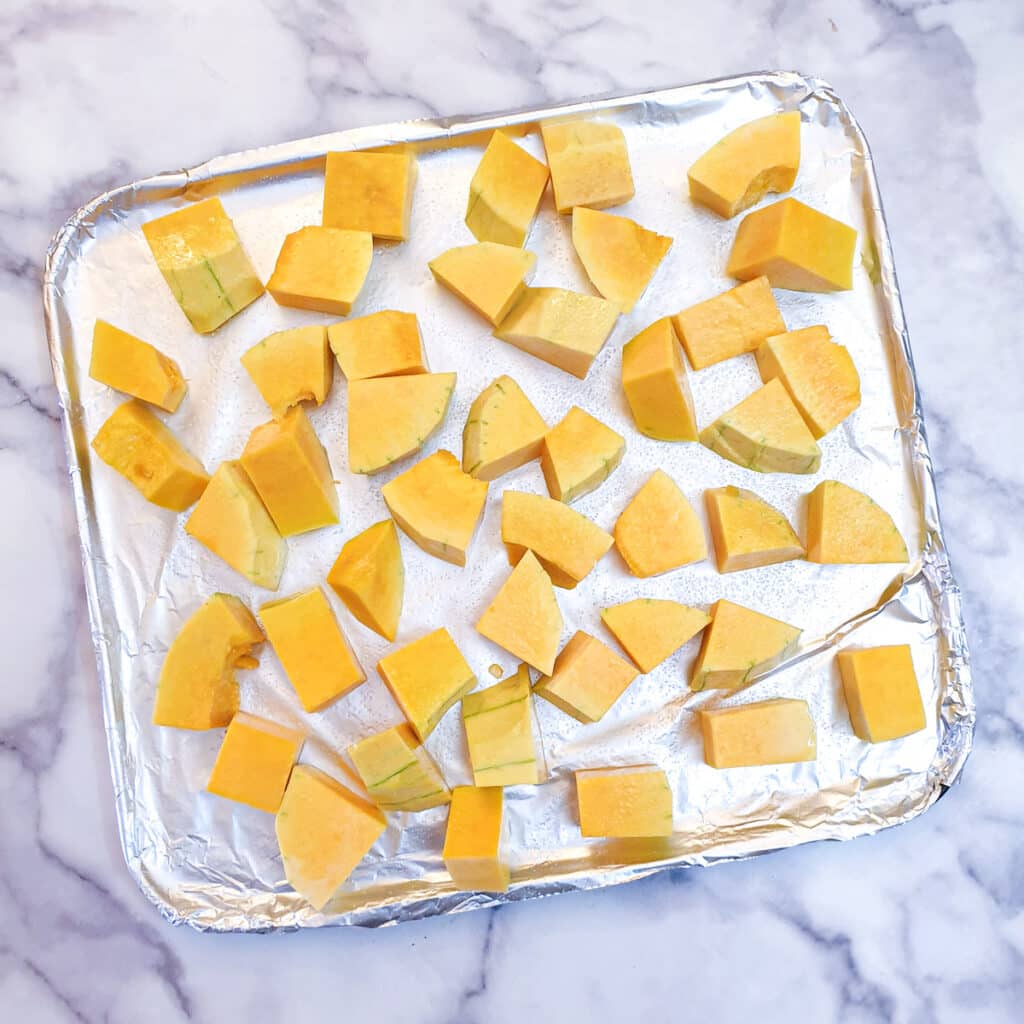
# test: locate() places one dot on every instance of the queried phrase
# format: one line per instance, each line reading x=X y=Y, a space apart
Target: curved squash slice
x=747 y=531
x=650 y=629
x=845 y=526
x=503 y=431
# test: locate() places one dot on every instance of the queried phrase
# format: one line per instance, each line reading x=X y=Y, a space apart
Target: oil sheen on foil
x=214 y=864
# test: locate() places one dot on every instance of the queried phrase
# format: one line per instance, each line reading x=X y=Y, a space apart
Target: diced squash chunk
x=795 y=247
x=766 y=433
x=197 y=688
x=505 y=192
x=203 y=262
x=818 y=374
x=488 y=277
x=654 y=380
x=291 y=366
x=288 y=466
x=650 y=629
x=624 y=803
x=397 y=772
x=619 y=256
x=503 y=431
x=255 y=761
x=579 y=454
x=759 y=157
x=437 y=505
x=567 y=544
x=369 y=578
x=846 y=526
x=323 y=830
x=739 y=645
x=129 y=364
x=499 y=733
x=882 y=693
x=314 y=651
x=472 y=844
x=659 y=530
x=524 y=617
x=370 y=192
x=589 y=164
x=565 y=329
x=145 y=452
x=587 y=679
x=384 y=344
x=426 y=677
x=747 y=531
x=776 y=731
x=322 y=269
x=231 y=521
x=392 y=417
x=729 y=324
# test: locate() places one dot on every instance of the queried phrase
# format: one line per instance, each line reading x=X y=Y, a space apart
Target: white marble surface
x=922 y=923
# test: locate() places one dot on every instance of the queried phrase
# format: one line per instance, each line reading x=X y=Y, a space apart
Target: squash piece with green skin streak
x=747 y=531
x=579 y=454
x=398 y=773
x=503 y=431
x=845 y=526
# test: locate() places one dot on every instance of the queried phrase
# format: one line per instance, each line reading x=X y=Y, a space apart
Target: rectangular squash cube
x=589 y=164
x=322 y=269
x=499 y=733
x=426 y=677
x=129 y=364
x=383 y=344
x=882 y=692
x=370 y=192
x=255 y=761
x=654 y=380
x=472 y=844
x=314 y=651
x=624 y=803
x=397 y=772
x=769 y=732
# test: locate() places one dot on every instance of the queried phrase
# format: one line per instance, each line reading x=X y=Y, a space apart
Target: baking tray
x=214 y=865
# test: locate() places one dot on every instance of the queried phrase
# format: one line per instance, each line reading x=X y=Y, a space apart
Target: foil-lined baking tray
x=215 y=865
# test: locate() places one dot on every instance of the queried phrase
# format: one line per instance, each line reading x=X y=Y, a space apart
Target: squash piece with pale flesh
x=747 y=531
x=322 y=269
x=654 y=380
x=143 y=450
x=129 y=364
x=587 y=679
x=197 y=687
x=426 y=677
x=882 y=693
x=323 y=831
x=565 y=329
x=369 y=578
x=503 y=431
x=739 y=645
x=589 y=164
x=619 y=256
x=659 y=530
x=384 y=344
x=766 y=433
x=392 y=417
x=505 y=192
x=291 y=366
x=437 y=505
x=818 y=374
x=488 y=277
x=845 y=526
x=370 y=192
x=231 y=521
x=566 y=543
x=202 y=260
x=524 y=617
x=759 y=157
x=579 y=454
x=472 y=843
x=630 y=802
x=398 y=773
x=779 y=731
x=651 y=629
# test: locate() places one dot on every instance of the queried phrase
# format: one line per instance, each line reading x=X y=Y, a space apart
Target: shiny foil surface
x=215 y=865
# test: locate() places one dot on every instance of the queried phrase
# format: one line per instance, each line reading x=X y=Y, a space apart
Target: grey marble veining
x=922 y=923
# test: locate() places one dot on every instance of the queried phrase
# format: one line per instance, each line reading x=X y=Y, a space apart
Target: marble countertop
x=921 y=923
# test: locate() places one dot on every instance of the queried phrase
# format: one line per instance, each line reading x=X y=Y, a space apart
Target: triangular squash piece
x=654 y=380
x=818 y=374
x=739 y=645
x=659 y=530
x=747 y=531
x=766 y=433
x=652 y=629
x=487 y=276
x=619 y=256
x=846 y=526
x=524 y=618
x=391 y=417
x=369 y=578
x=579 y=454
x=588 y=678
x=503 y=431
